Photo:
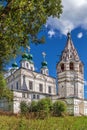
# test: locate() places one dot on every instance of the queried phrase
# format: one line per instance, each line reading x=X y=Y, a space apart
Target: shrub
x=33 y=107
x=44 y=107
x=59 y=107
x=24 y=107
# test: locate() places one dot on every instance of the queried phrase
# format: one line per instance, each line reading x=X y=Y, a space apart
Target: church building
x=68 y=86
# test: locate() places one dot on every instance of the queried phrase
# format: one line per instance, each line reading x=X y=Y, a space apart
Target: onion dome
x=14 y=65
x=44 y=64
x=30 y=58
x=25 y=56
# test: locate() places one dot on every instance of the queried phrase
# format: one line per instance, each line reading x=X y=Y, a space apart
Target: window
x=23 y=95
x=80 y=68
x=49 y=89
x=16 y=85
x=27 y=65
x=34 y=96
x=62 y=67
x=40 y=87
x=38 y=96
x=30 y=85
x=71 y=66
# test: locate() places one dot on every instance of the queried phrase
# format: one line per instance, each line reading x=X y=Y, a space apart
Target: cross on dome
x=28 y=47
x=44 y=55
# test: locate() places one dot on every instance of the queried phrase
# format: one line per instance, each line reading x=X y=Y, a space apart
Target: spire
x=44 y=68
x=30 y=56
x=69 y=52
x=44 y=63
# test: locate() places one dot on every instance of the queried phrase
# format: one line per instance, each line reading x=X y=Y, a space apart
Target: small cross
x=28 y=47
x=44 y=55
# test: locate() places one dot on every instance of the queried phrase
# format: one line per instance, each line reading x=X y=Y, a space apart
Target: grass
x=52 y=123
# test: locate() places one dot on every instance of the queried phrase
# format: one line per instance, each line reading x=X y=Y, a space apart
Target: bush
x=59 y=107
x=33 y=107
x=24 y=107
x=44 y=107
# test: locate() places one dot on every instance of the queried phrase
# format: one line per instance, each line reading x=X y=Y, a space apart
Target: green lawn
x=53 y=123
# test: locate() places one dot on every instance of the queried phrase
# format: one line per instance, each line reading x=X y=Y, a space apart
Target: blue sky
x=74 y=18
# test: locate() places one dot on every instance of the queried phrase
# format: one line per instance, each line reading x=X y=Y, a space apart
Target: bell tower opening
x=71 y=66
x=62 y=67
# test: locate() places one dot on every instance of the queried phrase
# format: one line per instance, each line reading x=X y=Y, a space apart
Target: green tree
x=20 y=23
x=33 y=106
x=4 y=91
x=44 y=107
x=24 y=107
x=58 y=108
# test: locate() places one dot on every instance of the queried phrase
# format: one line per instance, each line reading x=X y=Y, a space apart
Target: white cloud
x=73 y=16
x=80 y=35
x=51 y=33
x=85 y=83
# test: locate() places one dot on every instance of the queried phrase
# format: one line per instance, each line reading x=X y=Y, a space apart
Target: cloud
x=80 y=35
x=73 y=16
x=85 y=83
x=51 y=33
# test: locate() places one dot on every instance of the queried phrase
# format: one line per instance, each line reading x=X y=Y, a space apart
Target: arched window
x=27 y=65
x=62 y=67
x=71 y=66
x=80 y=68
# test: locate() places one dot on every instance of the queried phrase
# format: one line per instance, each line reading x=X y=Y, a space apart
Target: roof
x=70 y=52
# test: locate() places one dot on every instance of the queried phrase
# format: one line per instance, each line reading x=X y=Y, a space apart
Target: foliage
x=58 y=108
x=24 y=107
x=44 y=107
x=33 y=107
x=41 y=108
x=52 y=123
x=20 y=23
x=44 y=104
x=4 y=91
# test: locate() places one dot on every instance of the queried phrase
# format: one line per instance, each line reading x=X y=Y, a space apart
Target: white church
x=68 y=86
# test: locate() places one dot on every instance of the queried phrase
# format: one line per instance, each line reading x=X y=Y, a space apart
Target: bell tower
x=70 y=72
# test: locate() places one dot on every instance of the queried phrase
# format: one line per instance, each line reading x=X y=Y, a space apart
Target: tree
x=58 y=108
x=44 y=107
x=24 y=107
x=20 y=23
x=4 y=91
x=33 y=107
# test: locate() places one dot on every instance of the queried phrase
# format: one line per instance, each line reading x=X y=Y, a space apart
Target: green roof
x=25 y=56
x=14 y=65
x=44 y=64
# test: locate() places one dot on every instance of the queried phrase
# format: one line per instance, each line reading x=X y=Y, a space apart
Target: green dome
x=30 y=58
x=25 y=55
x=44 y=64
x=14 y=65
